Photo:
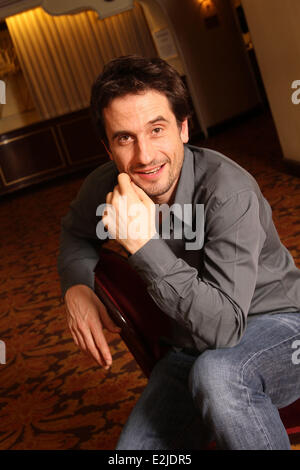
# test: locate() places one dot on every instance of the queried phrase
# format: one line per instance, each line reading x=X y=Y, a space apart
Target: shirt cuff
x=78 y=273
x=153 y=260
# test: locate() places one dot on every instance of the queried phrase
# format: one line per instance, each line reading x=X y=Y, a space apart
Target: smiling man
x=234 y=300
x=145 y=142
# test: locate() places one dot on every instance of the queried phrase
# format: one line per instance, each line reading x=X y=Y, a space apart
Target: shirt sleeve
x=77 y=259
x=213 y=301
x=79 y=246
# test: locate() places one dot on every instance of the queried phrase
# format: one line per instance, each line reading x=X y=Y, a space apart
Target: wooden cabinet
x=47 y=149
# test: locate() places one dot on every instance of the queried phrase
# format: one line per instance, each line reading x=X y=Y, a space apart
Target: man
x=233 y=297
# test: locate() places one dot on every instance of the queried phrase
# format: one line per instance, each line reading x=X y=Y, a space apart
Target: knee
x=215 y=378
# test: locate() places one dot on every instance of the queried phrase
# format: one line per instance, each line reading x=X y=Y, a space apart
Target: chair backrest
x=130 y=306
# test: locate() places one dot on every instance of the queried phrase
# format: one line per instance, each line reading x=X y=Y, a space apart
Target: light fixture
x=208 y=8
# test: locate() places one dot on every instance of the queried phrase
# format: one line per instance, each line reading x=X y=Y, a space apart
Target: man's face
x=145 y=142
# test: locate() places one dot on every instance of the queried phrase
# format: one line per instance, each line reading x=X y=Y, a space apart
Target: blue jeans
x=229 y=395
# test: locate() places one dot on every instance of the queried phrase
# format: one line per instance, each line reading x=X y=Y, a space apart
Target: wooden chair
x=130 y=306
x=125 y=296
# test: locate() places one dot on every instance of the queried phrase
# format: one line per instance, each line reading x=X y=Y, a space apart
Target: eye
x=157 y=130
x=124 y=139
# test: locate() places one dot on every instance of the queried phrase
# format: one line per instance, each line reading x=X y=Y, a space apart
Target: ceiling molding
x=104 y=8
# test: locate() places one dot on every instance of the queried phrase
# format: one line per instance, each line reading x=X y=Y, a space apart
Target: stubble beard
x=156 y=189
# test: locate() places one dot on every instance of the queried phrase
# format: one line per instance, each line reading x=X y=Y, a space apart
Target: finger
x=75 y=334
x=78 y=338
x=140 y=193
x=108 y=212
x=93 y=341
x=102 y=347
x=109 y=197
x=124 y=183
x=91 y=347
x=112 y=197
x=75 y=338
x=82 y=341
x=104 y=219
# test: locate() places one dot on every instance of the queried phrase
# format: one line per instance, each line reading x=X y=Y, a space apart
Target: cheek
x=121 y=160
x=164 y=147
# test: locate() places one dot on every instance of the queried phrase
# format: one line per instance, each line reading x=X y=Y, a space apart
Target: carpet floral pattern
x=52 y=396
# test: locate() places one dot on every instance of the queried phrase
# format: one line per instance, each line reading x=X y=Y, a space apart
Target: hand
x=86 y=318
x=129 y=215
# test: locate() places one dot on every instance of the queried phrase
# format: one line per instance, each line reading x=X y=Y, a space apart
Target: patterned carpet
x=52 y=396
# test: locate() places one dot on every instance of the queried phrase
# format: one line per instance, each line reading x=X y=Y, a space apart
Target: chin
x=157 y=191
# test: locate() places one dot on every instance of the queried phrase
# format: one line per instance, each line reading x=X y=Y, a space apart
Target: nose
x=144 y=153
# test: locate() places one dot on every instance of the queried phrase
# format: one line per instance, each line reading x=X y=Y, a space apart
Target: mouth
x=151 y=172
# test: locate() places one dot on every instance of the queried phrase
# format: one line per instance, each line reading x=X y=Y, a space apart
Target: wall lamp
x=208 y=8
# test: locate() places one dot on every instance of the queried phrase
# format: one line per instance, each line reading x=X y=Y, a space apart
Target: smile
x=151 y=172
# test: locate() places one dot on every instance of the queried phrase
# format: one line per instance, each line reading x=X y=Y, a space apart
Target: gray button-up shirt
x=239 y=267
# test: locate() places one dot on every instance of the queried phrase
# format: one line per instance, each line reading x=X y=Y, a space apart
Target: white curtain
x=61 y=56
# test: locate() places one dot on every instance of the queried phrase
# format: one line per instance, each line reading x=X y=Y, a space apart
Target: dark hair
x=132 y=75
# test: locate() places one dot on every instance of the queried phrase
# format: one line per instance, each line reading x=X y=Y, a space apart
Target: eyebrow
x=158 y=118
x=124 y=132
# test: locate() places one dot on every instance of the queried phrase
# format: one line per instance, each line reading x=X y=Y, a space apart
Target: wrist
x=132 y=245
x=75 y=289
x=136 y=245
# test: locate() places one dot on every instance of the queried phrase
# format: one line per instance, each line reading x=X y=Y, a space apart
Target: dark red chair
x=143 y=324
x=130 y=306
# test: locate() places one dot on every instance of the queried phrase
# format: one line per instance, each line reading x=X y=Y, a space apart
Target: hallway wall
x=215 y=60
x=274 y=28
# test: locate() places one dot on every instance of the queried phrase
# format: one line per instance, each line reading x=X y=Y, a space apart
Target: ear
x=184 y=132
x=107 y=149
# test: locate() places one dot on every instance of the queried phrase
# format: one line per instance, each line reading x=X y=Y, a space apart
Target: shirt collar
x=186 y=183
x=185 y=187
